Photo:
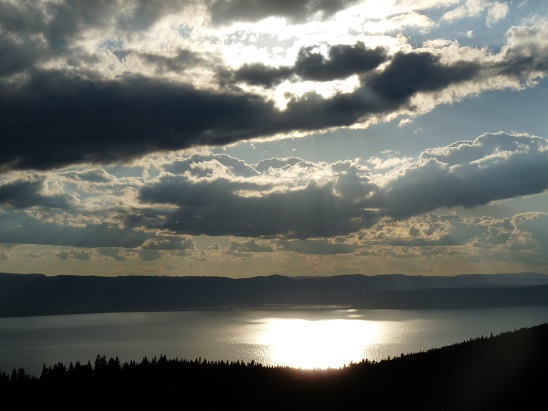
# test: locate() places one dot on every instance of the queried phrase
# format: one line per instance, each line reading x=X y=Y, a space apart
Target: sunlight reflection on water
x=335 y=338
x=313 y=339
x=302 y=343
x=299 y=338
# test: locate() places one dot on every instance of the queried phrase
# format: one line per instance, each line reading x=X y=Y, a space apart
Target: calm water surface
x=297 y=338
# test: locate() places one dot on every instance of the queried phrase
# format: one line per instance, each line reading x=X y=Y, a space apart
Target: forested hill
x=504 y=372
x=36 y=294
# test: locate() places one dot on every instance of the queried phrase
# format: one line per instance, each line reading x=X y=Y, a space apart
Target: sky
x=245 y=138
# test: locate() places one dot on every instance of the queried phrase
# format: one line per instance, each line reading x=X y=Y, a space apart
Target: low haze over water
x=320 y=338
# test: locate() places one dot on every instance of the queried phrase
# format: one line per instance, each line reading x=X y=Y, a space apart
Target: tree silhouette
x=507 y=371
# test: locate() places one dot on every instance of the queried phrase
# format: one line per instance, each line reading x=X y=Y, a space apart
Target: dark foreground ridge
x=36 y=294
x=505 y=372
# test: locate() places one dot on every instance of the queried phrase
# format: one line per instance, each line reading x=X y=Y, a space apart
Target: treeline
x=505 y=372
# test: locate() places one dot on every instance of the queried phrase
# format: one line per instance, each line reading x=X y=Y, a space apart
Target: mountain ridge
x=38 y=294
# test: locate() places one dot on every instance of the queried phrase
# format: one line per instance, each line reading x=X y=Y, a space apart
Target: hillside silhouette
x=503 y=372
x=36 y=294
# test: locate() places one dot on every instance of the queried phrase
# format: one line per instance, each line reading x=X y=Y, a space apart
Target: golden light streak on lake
x=317 y=344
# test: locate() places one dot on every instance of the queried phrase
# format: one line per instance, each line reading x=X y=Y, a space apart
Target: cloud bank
x=81 y=87
x=277 y=198
x=163 y=137
x=293 y=198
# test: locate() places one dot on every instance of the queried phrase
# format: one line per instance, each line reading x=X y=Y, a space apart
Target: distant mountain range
x=37 y=294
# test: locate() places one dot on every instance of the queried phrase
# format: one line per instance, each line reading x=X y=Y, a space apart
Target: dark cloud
x=467 y=174
x=17 y=56
x=228 y=11
x=216 y=208
x=219 y=206
x=523 y=66
x=524 y=55
x=425 y=188
x=58 y=23
x=61 y=21
x=260 y=75
x=314 y=112
x=71 y=114
x=219 y=195
x=183 y=60
x=150 y=218
x=52 y=26
x=353 y=182
x=409 y=73
x=382 y=92
x=17 y=228
x=27 y=193
x=78 y=120
x=342 y=61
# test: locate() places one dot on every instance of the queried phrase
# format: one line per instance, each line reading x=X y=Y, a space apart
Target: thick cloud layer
x=27 y=193
x=467 y=174
x=252 y=10
x=289 y=198
x=77 y=120
x=283 y=209
x=342 y=61
x=297 y=199
x=214 y=209
x=75 y=89
x=113 y=115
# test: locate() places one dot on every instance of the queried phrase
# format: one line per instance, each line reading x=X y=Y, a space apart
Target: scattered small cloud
x=73 y=254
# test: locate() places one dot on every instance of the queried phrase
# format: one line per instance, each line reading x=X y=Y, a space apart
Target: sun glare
x=318 y=344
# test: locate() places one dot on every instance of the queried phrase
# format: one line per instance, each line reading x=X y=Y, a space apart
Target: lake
x=300 y=338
